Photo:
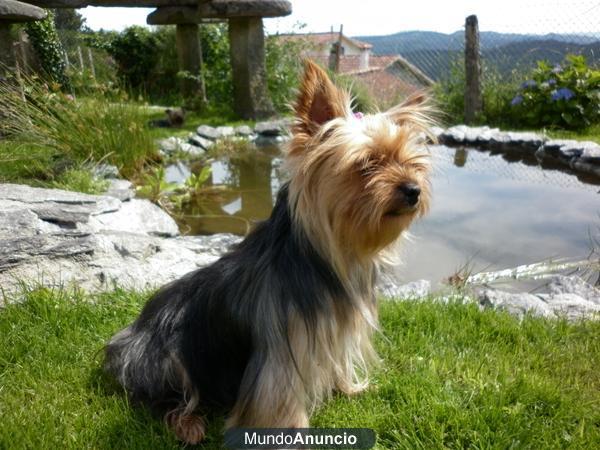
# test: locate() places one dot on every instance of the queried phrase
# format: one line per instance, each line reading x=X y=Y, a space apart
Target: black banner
x=299 y=438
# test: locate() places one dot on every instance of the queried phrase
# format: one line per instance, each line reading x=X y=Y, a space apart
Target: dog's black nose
x=411 y=192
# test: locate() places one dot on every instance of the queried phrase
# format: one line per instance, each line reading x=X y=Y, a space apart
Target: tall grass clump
x=70 y=132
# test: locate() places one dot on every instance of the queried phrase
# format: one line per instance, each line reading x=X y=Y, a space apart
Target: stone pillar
x=189 y=55
x=7 y=53
x=247 y=48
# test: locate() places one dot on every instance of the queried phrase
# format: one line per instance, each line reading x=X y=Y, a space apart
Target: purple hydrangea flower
x=562 y=94
x=551 y=81
x=517 y=100
x=528 y=84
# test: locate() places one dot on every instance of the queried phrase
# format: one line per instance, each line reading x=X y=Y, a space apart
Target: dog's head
x=357 y=180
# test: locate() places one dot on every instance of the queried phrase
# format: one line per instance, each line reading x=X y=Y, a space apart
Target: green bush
x=85 y=81
x=497 y=91
x=217 y=68
x=284 y=66
x=147 y=64
x=449 y=93
x=137 y=51
x=48 y=48
x=564 y=96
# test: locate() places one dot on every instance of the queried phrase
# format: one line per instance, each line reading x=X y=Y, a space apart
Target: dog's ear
x=319 y=100
x=415 y=110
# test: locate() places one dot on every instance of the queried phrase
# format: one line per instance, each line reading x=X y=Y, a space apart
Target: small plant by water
x=173 y=197
x=153 y=185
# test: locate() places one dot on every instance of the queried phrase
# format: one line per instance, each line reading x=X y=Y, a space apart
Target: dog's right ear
x=319 y=101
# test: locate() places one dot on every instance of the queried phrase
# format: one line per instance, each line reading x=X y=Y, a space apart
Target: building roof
x=351 y=64
x=325 y=38
x=385 y=87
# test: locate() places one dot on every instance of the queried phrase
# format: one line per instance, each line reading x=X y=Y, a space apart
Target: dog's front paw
x=189 y=429
x=351 y=389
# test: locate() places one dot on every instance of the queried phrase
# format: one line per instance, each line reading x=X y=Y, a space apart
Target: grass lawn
x=452 y=376
x=589 y=134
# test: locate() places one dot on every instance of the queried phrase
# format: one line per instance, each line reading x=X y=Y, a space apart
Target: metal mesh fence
x=537 y=30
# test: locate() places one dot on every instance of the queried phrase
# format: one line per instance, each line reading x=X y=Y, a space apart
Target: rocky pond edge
x=580 y=156
x=97 y=243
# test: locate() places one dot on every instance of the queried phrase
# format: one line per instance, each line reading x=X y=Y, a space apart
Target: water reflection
x=252 y=184
x=460 y=157
x=485 y=209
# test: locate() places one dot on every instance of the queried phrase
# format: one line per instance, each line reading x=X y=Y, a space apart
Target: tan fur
x=188 y=428
x=345 y=174
x=334 y=356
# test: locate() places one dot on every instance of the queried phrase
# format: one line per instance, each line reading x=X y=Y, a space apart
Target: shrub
x=567 y=95
x=497 y=91
x=284 y=66
x=136 y=51
x=48 y=48
x=217 y=68
x=449 y=93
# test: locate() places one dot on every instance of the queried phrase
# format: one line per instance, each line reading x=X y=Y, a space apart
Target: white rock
x=120 y=189
x=572 y=306
x=413 y=290
x=517 y=304
x=136 y=216
x=225 y=131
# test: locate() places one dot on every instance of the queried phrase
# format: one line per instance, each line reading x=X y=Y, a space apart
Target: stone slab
x=12 y=11
x=190 y=13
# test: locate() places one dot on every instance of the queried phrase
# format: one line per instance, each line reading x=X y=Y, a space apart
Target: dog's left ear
x=319 y=100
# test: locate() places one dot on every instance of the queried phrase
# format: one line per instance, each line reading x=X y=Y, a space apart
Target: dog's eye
x=366 y=168
x=326 y=135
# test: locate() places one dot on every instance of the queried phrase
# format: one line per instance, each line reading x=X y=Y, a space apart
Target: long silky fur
x=286 y=317
x=269 y=324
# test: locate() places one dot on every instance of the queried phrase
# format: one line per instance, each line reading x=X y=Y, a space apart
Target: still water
x=488 y=211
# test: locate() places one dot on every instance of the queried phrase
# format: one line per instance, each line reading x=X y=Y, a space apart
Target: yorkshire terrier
x=273 y=327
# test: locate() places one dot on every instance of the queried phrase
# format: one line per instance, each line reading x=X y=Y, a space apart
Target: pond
x=489 y=211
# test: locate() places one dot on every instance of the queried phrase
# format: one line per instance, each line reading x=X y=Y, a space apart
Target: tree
x=68 y=19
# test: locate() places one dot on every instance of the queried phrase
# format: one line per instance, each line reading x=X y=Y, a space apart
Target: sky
x=380 y=17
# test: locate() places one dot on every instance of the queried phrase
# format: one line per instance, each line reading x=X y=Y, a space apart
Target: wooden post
x=338 y=53
x=80 y=56
x=247 y=51
x=189 y=56
x=473 y=98
x=91 y=61
x=19 y=79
